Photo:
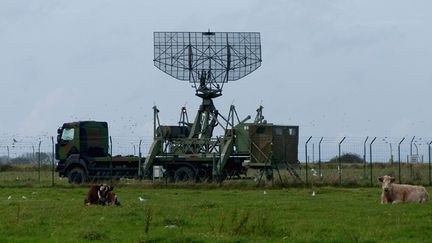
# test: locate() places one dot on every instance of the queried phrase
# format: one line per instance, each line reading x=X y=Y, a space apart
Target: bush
x=6 y=167
x=348 y=158
x=24 y=167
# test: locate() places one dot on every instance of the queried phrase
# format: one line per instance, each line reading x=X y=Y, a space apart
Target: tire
x=184 y=174
x=77 y=176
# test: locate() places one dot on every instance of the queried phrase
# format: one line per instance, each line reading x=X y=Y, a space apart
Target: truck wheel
x=184 y=174
x=77 y=176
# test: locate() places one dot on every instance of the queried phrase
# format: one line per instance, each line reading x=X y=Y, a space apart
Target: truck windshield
x=67 y=134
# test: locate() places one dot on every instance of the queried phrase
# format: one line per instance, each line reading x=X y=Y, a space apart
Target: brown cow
x=398 y=193
x=112 y=199
x=92 y=195
x=101 y=194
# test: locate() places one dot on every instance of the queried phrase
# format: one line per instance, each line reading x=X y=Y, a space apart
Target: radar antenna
x=207 y=60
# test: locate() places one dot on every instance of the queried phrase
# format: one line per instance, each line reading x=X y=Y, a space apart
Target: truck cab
x=78 y=143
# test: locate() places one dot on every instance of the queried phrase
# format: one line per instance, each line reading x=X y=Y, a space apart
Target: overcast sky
x=334 y=68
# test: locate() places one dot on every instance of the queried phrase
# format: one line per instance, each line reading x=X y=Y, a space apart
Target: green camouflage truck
x=82 y=152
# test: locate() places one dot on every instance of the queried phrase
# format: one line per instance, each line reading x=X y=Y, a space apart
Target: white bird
x=24 y=198
x=141 y=199
x=313 y=194
x=9 y=198
x=265 y=193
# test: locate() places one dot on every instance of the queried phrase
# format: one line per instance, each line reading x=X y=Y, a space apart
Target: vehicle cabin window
x=292 y=131
x=68 y=134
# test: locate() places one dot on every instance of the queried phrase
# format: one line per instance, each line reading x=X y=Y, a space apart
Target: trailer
x=82 y=153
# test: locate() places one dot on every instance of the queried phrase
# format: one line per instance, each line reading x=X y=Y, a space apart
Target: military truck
x=189 y=150
x=83 y=155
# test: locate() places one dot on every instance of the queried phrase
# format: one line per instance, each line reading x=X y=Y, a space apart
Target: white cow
x=398 y=193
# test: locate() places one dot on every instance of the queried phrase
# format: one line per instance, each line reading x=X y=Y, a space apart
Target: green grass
x=208 y=215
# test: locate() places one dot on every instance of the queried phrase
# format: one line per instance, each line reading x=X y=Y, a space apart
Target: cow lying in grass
x=101 y=194
x=398 y=193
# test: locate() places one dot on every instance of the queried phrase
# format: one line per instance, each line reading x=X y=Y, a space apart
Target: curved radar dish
x=208 y=60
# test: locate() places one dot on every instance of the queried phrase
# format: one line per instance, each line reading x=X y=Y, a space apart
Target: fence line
x=407 y=158
x=417 y=151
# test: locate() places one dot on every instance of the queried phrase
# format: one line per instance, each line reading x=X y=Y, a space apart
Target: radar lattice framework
x=208 y=60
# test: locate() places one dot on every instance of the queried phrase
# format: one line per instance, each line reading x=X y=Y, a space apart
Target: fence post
x=139 y=159
x=111 y=155
x=52 y=161
x=430 y=166
x=364 y=158
x=412 y=140
x=306 y=157
x=39 y=161
x=399 y=160
x=410 y=159
x=340 y=161
x=319 y=157
x=370 y=162
x=8 y=154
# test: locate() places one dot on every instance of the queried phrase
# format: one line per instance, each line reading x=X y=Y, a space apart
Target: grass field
x=211 y=214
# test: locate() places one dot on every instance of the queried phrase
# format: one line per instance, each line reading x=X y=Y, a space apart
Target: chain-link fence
x=361 y=160
x=344 y=161
x=28 y=161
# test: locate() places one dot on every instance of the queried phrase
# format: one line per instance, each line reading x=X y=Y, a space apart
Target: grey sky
x=334 y=68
